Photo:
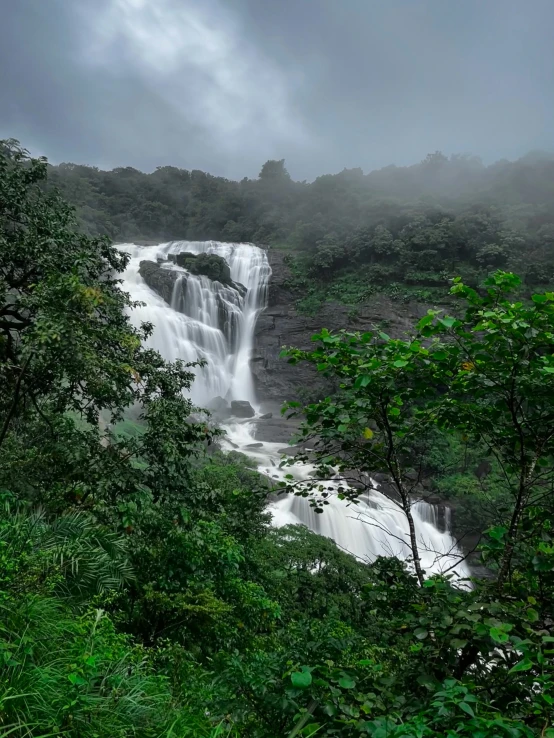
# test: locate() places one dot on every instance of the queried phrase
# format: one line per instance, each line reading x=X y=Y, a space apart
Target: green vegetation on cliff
x=143 y=592
x=403 y=228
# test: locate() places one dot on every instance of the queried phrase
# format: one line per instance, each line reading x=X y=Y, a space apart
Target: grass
x=64 y=669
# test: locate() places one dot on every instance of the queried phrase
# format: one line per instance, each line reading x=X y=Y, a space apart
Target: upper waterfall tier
x=195 y=317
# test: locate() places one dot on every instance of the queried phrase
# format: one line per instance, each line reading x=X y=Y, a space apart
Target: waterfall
x=208 y=320
x=216 y=322
x=373 y=526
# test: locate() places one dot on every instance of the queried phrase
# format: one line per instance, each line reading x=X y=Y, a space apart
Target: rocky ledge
x=210 y=265
x=282 y=325
x=161 y=277
x=158 y=279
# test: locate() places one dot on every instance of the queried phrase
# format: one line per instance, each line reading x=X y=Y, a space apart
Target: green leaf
x=362 y=381
x=76 y=679
x=301 y=679
x=540 y=299
x=466 y=708
x=384 y=336
x=347 y=682
x=394 y=411
x=524 y=665
x=532 y=615
x=447 y=322
x=421 y=633
x=458 y=643
x=498 y=532
x=400 y=363
x=424 y=322
x=498 y=635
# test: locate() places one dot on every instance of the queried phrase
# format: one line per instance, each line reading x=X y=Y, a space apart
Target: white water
x=212 y=321
x=208 y=320
x=374 y=526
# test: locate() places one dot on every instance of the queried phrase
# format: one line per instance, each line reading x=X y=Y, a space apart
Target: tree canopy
x=415 y=225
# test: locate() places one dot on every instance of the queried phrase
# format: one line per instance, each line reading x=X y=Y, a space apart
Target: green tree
x=484 y=374
x=374 y=421
x=69 y=356
x=498 y=367
x=274 y=170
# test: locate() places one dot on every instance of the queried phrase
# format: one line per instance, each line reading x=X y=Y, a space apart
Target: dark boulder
x=158 y=279
x=220 y=408
x=184 y=259
x=218 y=404
x=210 y=265
x=277 y=429
x=242 y=409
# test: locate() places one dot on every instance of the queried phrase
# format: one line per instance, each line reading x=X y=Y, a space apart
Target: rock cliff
x=211 y=265
x=158 y=279
x=282 y=325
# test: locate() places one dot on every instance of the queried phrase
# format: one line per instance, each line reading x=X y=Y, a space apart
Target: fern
x=90 y=559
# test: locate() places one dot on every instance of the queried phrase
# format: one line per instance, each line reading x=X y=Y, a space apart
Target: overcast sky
x=224 y=85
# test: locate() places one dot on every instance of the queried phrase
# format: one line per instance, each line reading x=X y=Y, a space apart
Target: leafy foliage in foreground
x=142 y=591
x=485 y=375
x=65 y=670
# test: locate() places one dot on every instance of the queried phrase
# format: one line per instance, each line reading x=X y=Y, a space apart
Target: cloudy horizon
x=222 y=87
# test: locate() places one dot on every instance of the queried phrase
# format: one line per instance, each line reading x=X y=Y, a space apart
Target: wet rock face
x=242 y=409
x=219 y=405
x=210 y=265
x=160 y=280
x=219 y=408
x=281 y=325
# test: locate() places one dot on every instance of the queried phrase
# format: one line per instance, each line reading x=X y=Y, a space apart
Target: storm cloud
x=223 y=86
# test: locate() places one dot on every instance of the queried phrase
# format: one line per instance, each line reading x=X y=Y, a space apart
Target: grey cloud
x=223 y=86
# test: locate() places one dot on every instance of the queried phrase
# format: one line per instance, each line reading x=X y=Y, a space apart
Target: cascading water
x=374 y=526
x=207 y=320
x=216 y=322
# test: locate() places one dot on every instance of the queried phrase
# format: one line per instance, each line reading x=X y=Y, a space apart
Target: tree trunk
x=506 y=559
x=406 y=506
x=407 y=509
x=13 y=408
x=395 y=471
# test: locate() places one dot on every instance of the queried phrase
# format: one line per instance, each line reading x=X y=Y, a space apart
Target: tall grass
x=64 y=670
